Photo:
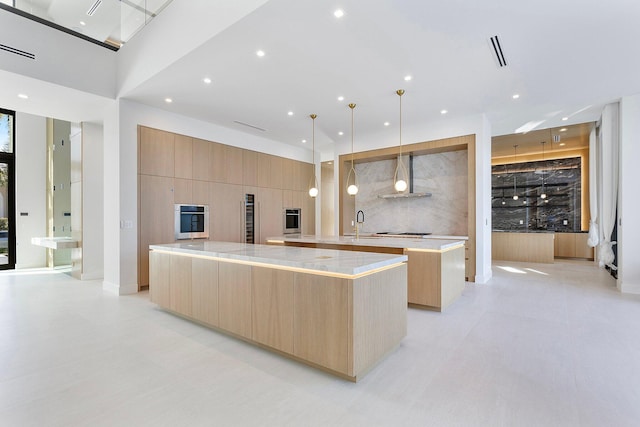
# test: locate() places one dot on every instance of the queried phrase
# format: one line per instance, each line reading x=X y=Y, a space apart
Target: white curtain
x=609 y=145
x=594 y=237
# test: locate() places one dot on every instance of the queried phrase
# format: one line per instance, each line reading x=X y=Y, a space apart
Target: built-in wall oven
x=191 y=221
x=292 y=221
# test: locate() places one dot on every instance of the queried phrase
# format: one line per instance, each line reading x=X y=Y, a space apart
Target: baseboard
x=629 y=288
x=92 y=276
x=120 y=289
x=482 y=279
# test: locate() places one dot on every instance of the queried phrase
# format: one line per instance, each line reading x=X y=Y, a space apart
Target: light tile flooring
x=540 y=345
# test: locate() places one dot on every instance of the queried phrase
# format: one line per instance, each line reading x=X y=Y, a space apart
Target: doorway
x=7 y=191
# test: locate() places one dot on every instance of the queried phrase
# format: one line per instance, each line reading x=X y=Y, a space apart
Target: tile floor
x=540 y=345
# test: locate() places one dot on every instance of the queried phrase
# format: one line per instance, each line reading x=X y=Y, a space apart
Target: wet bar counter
x=522 y=246
x=339 y=311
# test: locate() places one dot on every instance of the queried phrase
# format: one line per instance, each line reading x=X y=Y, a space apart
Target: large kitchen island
x=340 y=311
x=436 y=265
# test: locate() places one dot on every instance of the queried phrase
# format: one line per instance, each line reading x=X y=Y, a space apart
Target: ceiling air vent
x=248 y=125
x=17 y=51
x=497 y=50
x=94 y=7
x=556 y=138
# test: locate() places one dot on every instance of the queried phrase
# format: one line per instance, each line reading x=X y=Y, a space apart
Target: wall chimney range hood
x=408 y=194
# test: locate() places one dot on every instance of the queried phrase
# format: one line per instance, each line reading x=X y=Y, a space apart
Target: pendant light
x=543 y=195
x=506 y=171
x=313 y=188
x=352 y=189
x=515 y=155
x=400 y=180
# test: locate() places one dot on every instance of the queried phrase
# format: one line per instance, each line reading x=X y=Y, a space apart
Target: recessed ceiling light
x=338 y=13
x=23 y=96
x=290 y=113
x=329 y=163
x=443 y=111
x=562 y=144
x=386 y=123
x=207 y=80
x=407 y=78
x=340 y=133
x=168 y=100
x=516 y=96
x=565 y=118
x=304 y=141
x=563 y=130
x=341 y=98
x=260 y=53
x=83 y=23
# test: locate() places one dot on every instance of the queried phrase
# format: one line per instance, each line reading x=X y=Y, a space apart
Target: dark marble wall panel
x=558 y=179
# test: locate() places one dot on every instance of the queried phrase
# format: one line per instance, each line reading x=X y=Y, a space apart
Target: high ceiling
x=111 y=21
x=564 y=60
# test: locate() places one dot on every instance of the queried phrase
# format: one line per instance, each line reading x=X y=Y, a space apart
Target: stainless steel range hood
x=407 y=194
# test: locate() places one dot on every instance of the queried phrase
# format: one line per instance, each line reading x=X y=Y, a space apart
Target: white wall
x=61 y=58
x=629 y=202
x=92 y=201
x=483 y=201
x=31 y=139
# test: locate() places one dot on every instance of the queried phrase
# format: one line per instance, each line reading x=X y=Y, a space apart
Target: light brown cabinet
x=226 y=212
x=156 y=152
x=161 y=278
x=234 y=298
x=180 y=297
x=272 y=307
x=175 y=168
x=225 y=164
x=204 y=290
x=572 y=245
x=345 y=325
x=269 y=216
x=200 y=161
x=249 y=167
x=183 y=147
x=155 y=218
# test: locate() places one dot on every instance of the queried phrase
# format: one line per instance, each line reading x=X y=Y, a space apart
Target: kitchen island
x=436 y=266
x=339 y=311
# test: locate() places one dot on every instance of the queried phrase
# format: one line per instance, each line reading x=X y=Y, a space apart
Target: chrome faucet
x=359 y=223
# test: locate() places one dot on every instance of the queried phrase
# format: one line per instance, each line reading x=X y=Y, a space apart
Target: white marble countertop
x=321 y=260
x=424 y=243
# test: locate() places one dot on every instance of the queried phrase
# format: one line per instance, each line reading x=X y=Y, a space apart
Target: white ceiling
x=565 y=59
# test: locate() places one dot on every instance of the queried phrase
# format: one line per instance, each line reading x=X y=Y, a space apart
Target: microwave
x=292 y=221
x=191 y=221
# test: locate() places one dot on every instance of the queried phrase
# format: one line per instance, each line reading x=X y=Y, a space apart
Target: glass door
x=7 y=208
x=7 y=197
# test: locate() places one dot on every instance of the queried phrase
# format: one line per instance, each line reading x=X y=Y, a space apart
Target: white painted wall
x=61 y=58
x=111 y=156
x=628 y=200
x=92 y=201
x=31 y=140
x=483 y=201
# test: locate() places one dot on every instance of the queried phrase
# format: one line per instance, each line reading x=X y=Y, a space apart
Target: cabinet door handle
x=243 y=223
x=259 y=224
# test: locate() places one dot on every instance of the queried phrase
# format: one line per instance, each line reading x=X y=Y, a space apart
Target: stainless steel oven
x=191 y=221
x=292 y=221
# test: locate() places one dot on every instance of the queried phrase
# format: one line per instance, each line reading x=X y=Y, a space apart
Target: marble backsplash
x=445 y=212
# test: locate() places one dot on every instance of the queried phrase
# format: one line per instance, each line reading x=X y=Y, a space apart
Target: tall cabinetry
x=176 y=168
